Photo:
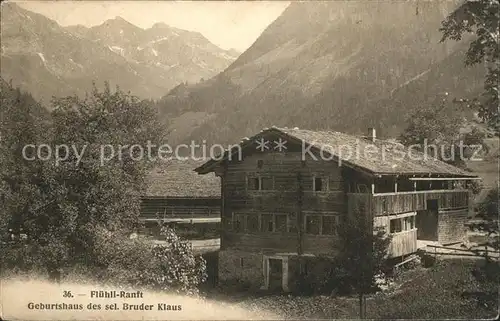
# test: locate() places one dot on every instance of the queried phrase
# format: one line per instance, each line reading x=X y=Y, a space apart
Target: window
x=267 y=183
x=329 y=225
x=238 y=223
x=409 y=223
x=267 y=223
x=252 y=223
x=254 y=183
x=304 y=269
x=292 y=226
x=260 y=183
x=228 y=222
x=402 y=224
x=395 y=225
x=412 y=222
x=281 y=222
x=260 y=163
x=318 y=184
x=241 y=262
x=313 y=224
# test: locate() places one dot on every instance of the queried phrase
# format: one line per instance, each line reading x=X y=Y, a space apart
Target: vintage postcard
x=249 y=160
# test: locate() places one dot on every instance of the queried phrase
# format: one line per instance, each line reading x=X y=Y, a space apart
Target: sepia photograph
x=249 y=160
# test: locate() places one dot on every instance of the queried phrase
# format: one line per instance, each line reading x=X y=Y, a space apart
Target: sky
x=227 y=24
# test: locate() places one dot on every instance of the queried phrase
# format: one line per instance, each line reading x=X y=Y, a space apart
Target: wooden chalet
x=282 y=204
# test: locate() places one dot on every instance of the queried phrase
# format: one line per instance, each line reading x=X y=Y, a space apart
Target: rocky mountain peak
x=160 y=25
x=47 y=59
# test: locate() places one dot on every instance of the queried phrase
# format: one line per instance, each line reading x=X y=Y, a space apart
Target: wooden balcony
x=176 y=212
x=402 y=202
x=403 y=243
x=383 y=205
x=194 y=220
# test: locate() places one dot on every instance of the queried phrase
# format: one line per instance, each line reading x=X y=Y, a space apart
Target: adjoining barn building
x=283 y=201
x=178 y=196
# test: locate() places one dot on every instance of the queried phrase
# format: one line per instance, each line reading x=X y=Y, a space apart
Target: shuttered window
x=402 y=224
x=313 y=224
x=267 y=223
x=281 y=222
x=329 y=226
x=260 y=183
x=238 y=223
x=252 y=223
x=254 y=183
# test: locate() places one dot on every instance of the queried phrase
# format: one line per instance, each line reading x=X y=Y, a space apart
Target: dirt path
x=41 y=300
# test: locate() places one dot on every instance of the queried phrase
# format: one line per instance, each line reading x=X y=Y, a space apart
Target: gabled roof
x=177 y=179
x=381 y=157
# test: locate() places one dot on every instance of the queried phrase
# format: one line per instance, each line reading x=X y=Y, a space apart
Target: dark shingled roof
x=177 y=178
x=381 y=157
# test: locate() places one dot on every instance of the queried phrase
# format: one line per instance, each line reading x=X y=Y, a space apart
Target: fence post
x=364 y=307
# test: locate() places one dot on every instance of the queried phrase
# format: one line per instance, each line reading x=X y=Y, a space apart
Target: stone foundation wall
x=307 y=272
x=241 y=268
x=212 y=261
x=245 y=270
x=451 y=226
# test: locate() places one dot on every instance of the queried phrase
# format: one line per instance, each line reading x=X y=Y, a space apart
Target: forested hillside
x=341 y=66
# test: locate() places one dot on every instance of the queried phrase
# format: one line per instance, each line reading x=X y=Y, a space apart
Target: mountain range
x=47 y=59
x=336 y=65
x=333 y=65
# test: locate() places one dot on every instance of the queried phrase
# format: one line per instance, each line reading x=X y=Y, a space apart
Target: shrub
x=327 y=276
x=119 y=260
x=16 y=258
x=174 y=266
x=169 y=267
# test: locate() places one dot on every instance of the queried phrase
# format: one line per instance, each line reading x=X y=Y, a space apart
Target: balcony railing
x=403 y=202
x=403 y=243
x=392 y=203
x=180 y=212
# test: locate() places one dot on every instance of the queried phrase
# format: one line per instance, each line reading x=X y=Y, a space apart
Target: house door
x=275 y=275
x=427 y=222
